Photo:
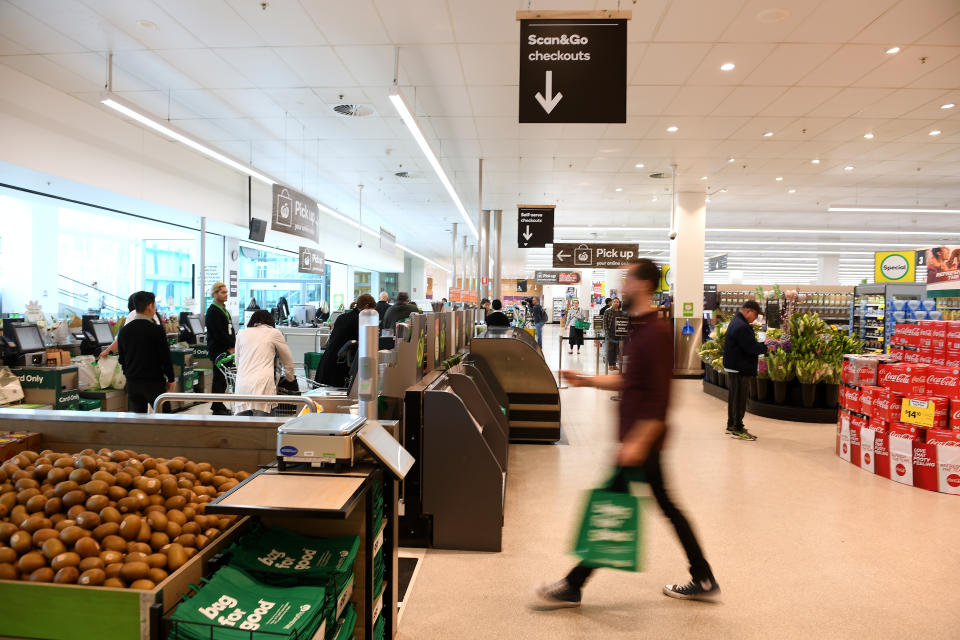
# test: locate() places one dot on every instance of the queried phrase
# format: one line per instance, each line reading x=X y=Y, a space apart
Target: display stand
x=320 y=503
x=775 y=411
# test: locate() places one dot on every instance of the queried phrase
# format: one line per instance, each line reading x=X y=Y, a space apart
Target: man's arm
x=165 y=359
x=639 y=442
x=613 y=382
x=746 y=340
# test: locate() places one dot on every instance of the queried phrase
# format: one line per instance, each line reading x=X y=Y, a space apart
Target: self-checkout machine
x=193 y=332
x=336 y=475
x=24 y=351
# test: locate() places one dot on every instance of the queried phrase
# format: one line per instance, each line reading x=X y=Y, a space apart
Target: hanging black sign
x=311 y=261
x=534 y=226
x=521 y=286
x=573 y=70
x=295 y=213
x=718 y=263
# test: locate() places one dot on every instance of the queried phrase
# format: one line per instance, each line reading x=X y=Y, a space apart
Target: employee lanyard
x=226 y=313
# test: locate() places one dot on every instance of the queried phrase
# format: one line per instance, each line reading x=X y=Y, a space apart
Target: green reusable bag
x=610 y=532
x=583 y=325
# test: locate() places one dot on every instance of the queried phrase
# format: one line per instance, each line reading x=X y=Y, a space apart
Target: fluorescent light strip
x=422 y=257
x=407 y=116
x=891 y=210
x=765 y=230
x=809 y=244
x=115 y=104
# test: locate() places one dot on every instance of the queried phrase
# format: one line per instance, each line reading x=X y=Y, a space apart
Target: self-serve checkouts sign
x=573 y=69
x=594 y=255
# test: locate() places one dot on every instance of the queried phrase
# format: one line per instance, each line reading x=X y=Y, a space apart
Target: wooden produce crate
x=74 y=612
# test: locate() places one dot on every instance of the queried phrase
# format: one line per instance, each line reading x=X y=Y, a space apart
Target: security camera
x=673 y=235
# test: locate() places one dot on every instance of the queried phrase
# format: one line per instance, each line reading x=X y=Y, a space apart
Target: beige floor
x=803 y=544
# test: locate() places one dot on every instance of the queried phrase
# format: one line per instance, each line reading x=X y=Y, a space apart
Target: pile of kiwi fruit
x=106 y=518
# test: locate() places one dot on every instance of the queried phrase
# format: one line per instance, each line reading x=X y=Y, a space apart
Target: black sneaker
x=731 y=430
x=557 y=595
x=743 y=434
x=706 y=590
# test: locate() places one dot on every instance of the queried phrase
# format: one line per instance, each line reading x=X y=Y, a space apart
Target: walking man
x=221 y=338
x=539 y=319
x=645 y=386
x=145 y=355
x=740 y=352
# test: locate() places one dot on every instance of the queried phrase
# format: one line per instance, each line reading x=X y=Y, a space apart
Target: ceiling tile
x=33 y=34
x=648 y=101
x=440 y=101
x=944 y=77
x=494 y=101
x=947 y=34
x=932 y=111
x=353 y=22
x=789 y=63
x=694 y=21
x=746 y=57
x=804 y=129
x=206 y=68
x=490 y=63
x=832 y=22
x=474 y=22
x=646 y=16
x=127 y=15
x=908 y=21
x=497 y=127
x=370 y=66
x=213 y=22
x=634 y=129
x=81 y=23
x=460 y=128
x=92 y=66
x=316 y=66
x=281 y=24
x=697 y=101
x=754 y=25
x=848 y=102
x=798 y=101
x=669 y=63
x=847 y=65
x=260 y=65
x=432 y=65
x=153 y=70
x=911 y=64
x=900 y=103
x=10 y=48
x=756 y=127
x=416 y=21
x=747 y=101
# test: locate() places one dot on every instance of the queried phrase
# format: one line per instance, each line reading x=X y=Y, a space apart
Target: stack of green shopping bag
x=233 y=606
x=346 y=623
x=284 y=558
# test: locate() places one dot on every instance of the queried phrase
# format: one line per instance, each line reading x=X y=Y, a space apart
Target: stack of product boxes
x=900 y=413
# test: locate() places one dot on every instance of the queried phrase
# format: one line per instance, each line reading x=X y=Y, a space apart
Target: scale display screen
x=28 y=338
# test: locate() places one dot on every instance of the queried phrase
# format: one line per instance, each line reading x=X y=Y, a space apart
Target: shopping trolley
x=226 y=363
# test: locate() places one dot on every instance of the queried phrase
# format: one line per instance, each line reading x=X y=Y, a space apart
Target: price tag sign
x=918 y=412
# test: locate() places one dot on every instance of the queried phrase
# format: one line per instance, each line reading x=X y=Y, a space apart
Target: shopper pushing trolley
x=645 y=388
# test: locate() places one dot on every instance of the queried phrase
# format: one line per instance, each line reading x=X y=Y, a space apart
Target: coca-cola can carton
x=886 y=405
x=905 y=378
x=843 y=434
x=947 y=444
x=926 y=329
x=911 y=356
x=881 y=449
x=926 y=357
x=955 y=414
x=943 y=381
x=925 y=465
x=933 y=329
x=897 y=353
x=857 y=424
x=848 y=372
x=900 y=443
x=865 y=370
x=952 y=344
x=951 y=358
x=909 y=334
x=939 y=359
x=868 y=436
x=852 y=395
x=868 y=397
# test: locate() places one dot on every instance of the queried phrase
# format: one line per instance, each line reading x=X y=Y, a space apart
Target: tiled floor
x=804 y=545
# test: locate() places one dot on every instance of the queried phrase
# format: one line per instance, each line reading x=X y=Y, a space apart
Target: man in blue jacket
x=740 y=352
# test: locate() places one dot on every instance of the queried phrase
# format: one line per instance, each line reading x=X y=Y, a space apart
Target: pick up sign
x=594 y=255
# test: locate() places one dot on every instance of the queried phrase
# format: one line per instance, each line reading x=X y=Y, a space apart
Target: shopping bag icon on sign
x=306 y=261
x=583 y=256
x=284 y=209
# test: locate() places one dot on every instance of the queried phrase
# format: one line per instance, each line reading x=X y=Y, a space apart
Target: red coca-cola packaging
x=941 y=416
x=933 y=334
x=909 y=334
x=849 y=372
x=881 y=449
x=955 y=414
x=947 y=444
x=897 y=353
x=866 y=371
x=857 y=424
x=952 y=335
x=951 y=359
x=900 y=443
x=939 y=359
x=867 y=445
x=925 y=465
x=943 y=381
x=926 y=357
x=843 y=434
x=905 y=378
x=911 y=356
x=852 y=395
x=866 y=400
x=886 y=405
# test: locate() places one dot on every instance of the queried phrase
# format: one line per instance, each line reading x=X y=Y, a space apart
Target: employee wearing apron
x=221 y=339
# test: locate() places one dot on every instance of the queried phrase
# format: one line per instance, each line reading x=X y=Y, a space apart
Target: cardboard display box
x=110 y=399
x=57 y=357
x=13 y=442
x=49 y=378
x=60 y=399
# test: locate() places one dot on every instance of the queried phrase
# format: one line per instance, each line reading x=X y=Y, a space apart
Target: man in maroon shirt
x=645 y=389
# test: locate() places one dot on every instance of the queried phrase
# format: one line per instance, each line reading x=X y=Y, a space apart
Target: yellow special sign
x=894 y=266
x=666 y=278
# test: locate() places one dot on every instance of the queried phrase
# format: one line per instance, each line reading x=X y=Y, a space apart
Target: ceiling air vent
x=659 y=176
x=403 y=175
x=353 y=110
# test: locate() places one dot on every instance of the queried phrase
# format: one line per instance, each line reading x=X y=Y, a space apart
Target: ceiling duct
x=353 y=110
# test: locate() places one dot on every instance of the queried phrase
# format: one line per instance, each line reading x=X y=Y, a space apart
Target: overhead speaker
x=258 y=229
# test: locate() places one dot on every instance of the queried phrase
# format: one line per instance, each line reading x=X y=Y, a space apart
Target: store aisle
x=803 y=544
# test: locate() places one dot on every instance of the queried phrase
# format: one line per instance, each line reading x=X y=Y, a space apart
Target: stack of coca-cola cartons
x=858 y=394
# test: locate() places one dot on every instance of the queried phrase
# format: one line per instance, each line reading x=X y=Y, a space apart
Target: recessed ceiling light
x=703 y=177
x=893 y=50
x=868 y=136
x=653 y=199
x=849 y=167
x=146 y=24
x=727 y=66
x=815 y=161
x=707 y=199
x=949 y=105
x=791 y=190
x=724 y=190
x=673 y=129
x=639 y=165
x=779 y=178
x=731 y=159
x=619 y=189
x=935 y=132
x=768 y=134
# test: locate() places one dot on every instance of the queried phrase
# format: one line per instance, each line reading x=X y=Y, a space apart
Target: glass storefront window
x=266 y=275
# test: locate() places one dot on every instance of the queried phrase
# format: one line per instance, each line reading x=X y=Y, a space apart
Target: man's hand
x=230 y=350
x=639 y=442
x=575 y=378
x=103 y=355
x=172 y=386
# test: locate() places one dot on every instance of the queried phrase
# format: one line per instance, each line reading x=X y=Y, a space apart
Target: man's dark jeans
x=737 y=385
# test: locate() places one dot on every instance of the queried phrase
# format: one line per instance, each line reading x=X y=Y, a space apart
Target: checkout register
x=23 y=344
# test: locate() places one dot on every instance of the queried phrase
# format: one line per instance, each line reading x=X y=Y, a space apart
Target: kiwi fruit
x=97 y=503
x=111 y=514
x=52 y=548
x=30 y=562
x=143 y=583
x=80 y=476
x=43 y=574
x=40 y=536
x=96 y=488
x=88 y=520
x=116 y=583
x=176 y=556
x=106 y=529
x=8 y=571
x=132 y=571
x=113 y=570
x=92 y=577
x=53 y=506
x=8 y=555
x=130 y=527
x=67 y=559
x=111 y=556
x=66 y=575
x=90 y=563
x=73 y=498
x=87 y=547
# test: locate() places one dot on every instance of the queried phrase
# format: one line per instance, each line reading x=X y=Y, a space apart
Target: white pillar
x=453 y=258
x=686 y=266
x=484 y=257
x=497 y=279
x=464 y=285
x=828 y=269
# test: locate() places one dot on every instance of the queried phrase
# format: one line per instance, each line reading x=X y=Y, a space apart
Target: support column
x=484 y=257
x=471 y=267
x=497 y=270
x=828 y=269
x=464 y=285
x=453 y=259
x=686 y=267
x=203 y=265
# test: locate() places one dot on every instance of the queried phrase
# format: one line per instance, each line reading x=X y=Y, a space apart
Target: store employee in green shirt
x=221 y=338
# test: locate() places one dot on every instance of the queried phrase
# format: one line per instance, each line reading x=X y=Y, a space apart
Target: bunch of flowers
x=780 y=366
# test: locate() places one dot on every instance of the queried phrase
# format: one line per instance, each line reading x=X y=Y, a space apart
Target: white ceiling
x=259 y=83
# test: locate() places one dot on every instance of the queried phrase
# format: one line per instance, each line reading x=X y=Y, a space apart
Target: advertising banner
x=295 y=213
x=557 y=277
x=943 y=264
x=894 y=266
x=311 y=261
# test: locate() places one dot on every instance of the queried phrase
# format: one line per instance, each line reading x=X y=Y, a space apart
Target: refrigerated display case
x=872 y=312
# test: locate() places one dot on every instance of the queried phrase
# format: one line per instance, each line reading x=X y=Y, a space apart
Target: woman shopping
x=257 y=349
x=575 y=315
x=613 y=341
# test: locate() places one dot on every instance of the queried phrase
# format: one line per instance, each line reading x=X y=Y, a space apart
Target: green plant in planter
x=780 y=366
x=811 y=370
x=762 y=368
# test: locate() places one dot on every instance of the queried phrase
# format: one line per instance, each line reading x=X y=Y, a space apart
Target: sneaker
x=743 y=434
x=705 y=590
x=557 y=595
x=731 y=430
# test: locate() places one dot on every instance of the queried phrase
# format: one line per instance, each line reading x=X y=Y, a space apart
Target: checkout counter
x=23 y=344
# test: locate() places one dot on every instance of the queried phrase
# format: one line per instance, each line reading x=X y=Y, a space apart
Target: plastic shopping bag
x=87 y=371
x=108 y=368
x=610 y=531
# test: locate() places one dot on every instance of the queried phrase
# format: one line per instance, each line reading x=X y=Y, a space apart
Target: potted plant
x=810 y=370
x=763 y=380
x=780 y=370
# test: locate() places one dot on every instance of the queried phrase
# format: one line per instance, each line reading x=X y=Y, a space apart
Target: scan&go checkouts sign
x=894 y=266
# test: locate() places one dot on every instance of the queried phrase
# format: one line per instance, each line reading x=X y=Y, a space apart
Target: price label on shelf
x=918 y=412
